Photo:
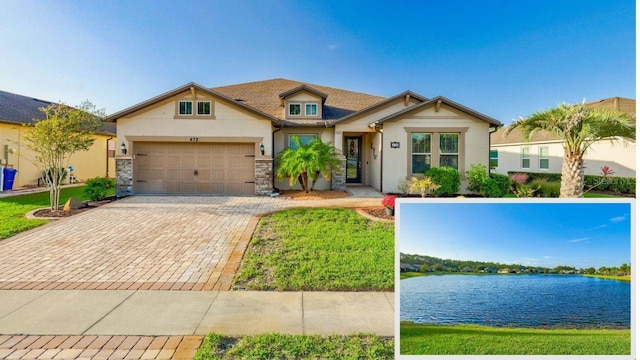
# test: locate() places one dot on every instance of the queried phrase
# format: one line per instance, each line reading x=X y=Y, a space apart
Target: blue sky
x=503 y=58
x=532 y=234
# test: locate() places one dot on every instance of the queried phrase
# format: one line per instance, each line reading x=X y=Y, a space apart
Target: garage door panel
x=169 y=168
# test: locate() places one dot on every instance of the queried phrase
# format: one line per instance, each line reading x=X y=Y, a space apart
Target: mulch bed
x=48 y=213
x=380 y=213
x=314 y=195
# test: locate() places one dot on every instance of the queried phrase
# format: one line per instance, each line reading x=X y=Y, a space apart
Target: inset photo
x=515 y=278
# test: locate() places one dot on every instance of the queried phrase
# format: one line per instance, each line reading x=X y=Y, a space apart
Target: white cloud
x=618 y=219
x=599 y=227
x=578 y=240
x=547 y=256
x=333 y=46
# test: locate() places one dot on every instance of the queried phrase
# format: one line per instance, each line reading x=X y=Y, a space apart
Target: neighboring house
x=17 y=110
x=409 y=267
x=224 y=140
x=544 y=153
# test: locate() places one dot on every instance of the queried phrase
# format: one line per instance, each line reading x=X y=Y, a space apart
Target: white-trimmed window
x=185 y=108
x=295 y=109
x=493 y=159
x=304 y=139
x=449 y=149
x=311 y=109
x=420 y=152
x=543 y=158
x=525 y=158
x=204 y=107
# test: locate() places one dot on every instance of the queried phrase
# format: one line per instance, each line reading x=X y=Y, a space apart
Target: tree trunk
x=315 y=178
x=305 y=182
x=572 y=185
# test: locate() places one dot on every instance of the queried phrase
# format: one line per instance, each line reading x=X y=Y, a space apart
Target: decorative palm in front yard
x=578 y=127
x=304 y=162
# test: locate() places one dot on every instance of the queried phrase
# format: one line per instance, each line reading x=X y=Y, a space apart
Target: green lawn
x=417 y=339
x=319 y=249
x=14 y=208
x=410 y=274
x=277 y=346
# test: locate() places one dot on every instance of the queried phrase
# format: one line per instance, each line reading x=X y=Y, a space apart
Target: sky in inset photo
x=546 y=234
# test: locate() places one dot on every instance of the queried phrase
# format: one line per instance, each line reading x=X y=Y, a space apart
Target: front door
x=354 y=159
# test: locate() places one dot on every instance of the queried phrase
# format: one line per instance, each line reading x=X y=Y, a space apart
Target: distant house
x=404 y=267
x=504 y=271
x=490 y=270
x=16 y=111
x=467 y=269
x=544 y=153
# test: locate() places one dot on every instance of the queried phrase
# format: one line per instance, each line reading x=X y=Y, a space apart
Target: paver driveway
x=144 y=242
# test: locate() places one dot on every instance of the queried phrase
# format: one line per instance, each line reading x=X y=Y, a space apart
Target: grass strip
x=279 y=346
x=13 y=209
x=611 y=277
x=420 y=339
x=319 y=249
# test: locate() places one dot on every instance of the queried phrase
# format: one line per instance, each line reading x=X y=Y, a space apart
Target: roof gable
x=304 y=87
x=266 y=96
x=406 y=95
x=437 y=101
x=181 y=89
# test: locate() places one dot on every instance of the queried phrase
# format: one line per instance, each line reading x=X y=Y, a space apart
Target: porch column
x=264 y=176
x=338 y=175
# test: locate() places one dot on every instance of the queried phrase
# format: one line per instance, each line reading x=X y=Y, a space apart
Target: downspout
x=273 y=156
x=381 y=154
x=107 y=157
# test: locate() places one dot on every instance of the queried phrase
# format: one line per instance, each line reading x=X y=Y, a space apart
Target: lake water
x=516 y=300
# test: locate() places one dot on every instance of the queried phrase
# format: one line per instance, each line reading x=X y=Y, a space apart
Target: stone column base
x=338 y=175
x=264 y=176
x=124 y=177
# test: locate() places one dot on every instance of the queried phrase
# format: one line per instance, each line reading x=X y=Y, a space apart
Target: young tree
x=578 y=127
x=64 y=131
x=304 y=162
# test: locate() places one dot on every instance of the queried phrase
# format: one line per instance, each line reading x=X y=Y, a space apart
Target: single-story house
x=225 y=140
x=17 y=110
x=544 y=153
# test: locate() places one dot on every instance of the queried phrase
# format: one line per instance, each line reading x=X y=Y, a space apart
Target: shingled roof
x=516 y=137
x=19 y=109
x=265 y=97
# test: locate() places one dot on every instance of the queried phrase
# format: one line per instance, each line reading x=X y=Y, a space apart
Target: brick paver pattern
x=145 y=243
x=98 y=347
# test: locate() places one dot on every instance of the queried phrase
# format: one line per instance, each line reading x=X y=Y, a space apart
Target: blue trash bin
x=8 y=176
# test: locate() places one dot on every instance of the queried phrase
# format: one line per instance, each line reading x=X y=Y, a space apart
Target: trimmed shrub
x=621 y=185
x=534 y=176
x=96 y=188
x=547 y=189
x=503 y=182
x=446 y=177
x=482 y=183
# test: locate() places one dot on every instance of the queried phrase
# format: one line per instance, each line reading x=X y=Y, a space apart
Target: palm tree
x=306 y=161
x=578 y=127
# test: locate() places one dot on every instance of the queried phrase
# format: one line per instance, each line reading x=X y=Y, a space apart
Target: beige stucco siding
x=281 y=142
x=87 y=164
x=619 y=155
x=474 y=149
x=228 y=124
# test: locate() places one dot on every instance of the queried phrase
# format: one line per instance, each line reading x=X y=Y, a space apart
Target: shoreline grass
x=319 y=250
x=611 y=277
x=423 y=339
x=280 y=346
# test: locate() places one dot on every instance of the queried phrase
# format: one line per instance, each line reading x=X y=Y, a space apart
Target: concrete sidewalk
x=142 y=312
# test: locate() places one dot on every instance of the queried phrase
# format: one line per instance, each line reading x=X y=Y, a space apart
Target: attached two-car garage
x=193 y=168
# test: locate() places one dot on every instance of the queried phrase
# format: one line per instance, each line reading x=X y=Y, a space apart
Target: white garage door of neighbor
x=194 y=168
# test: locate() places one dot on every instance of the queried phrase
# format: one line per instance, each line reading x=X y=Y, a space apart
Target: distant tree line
x=425 y=263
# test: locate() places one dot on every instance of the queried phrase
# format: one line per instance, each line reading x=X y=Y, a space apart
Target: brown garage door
x=193 y=168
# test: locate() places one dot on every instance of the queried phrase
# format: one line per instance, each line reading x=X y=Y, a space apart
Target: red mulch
x=48 y=213
x=380 y=213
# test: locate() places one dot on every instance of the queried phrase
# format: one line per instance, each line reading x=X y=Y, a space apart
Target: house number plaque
x=395 y=145
x=193 y=139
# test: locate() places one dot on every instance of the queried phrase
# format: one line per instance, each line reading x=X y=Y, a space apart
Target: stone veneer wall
x=338 y=178
x=264 y=176
x=124 y=177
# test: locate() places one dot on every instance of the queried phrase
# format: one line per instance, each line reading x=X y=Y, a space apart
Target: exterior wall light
x=261 y=149
x=123 y=148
